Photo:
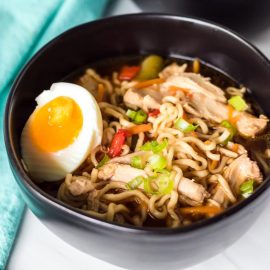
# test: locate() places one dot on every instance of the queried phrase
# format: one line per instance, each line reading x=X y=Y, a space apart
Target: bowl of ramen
x=143 y=148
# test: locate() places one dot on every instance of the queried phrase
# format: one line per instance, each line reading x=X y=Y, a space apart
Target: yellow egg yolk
x=57 y=124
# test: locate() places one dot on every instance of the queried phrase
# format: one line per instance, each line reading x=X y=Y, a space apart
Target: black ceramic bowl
x=130 y=247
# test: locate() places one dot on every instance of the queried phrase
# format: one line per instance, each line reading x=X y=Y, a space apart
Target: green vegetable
x=147 y=185
x=140 y=117
x=137 y=117
x=104 y=160
x=231 y=129
x=238 y=103
x=150 y=67
x=184 y=126
x=147 y=146
x=165 y=184
x=131 y=114
x=137 y=162
x=164 y=172
x=246 y=188
x=154 y=146
x=157 y=162
x=136 y=182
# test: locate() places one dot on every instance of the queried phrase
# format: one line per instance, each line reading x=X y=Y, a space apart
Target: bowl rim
x=79 y=216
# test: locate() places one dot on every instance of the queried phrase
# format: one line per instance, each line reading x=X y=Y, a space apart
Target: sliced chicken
x=145 y=99
x=195 y=83
x=219 y=196
x=119 y=172
x=249 y=126
x=127 y=158
x=172 y=70
x=210 y=109
x=241 y=170
x=79 y=185
x=192 y=193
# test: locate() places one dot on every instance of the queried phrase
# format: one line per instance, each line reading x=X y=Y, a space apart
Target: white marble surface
x=38 y=248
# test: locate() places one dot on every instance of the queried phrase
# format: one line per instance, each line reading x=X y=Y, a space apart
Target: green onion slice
x=135 y=183
x=165 y=184
x=154 y=146
x=131 y=114
x=137 y=162
x=247 y=188
x=104 y=160
x=140 y=117
x=238 y=103
x=184 y=126
x=147 y=185
x=231 y=129
x=157 y=162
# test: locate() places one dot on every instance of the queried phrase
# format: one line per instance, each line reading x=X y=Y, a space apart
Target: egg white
x=53 y=166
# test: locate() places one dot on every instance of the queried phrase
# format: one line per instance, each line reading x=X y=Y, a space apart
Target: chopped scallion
x=157 y=162
x=184 y=126
x=131 y=114
x=137 y=162
x=136 y=182
x=104 y=160
x=247 y=188
x=165 y=184
x=231 y=129
x=238 y=103
x=154 y=146
x=147 y=185
x=140 y=117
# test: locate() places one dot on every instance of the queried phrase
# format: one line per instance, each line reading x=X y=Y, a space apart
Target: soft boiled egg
x=61 y=132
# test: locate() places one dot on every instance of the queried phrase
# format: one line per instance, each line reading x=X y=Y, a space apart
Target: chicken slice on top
x=240 y=170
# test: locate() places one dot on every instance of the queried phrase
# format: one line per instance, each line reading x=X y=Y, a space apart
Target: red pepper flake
x=127 y=73
x=118 y=141
x=154 y=112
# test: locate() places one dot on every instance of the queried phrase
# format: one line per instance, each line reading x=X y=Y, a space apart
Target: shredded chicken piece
x=143 y=98
x=247 y=124
x=172 y=70
x=192 y=193
x=241 y=170
x=219 y=196
x=209 y=108
x=79 y=185
x=195 y=83
x=119 y=172
x=126 y=159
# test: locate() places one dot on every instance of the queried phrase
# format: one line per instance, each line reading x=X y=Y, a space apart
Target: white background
x=37 y=248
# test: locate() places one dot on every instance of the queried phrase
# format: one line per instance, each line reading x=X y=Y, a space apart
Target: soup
x=167 y=142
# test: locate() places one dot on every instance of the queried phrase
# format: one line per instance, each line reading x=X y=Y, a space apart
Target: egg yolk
x=57 y=124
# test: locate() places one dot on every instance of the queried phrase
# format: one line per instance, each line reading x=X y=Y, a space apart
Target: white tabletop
x=37 y=248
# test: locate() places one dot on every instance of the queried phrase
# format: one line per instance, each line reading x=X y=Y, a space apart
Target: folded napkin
x=25 y=26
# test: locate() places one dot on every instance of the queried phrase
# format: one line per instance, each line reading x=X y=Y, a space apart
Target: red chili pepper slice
x=117 y=142
x=154 y=112
x=127 y=73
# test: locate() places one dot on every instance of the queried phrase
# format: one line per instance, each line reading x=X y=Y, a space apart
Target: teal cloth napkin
x=25 y=26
